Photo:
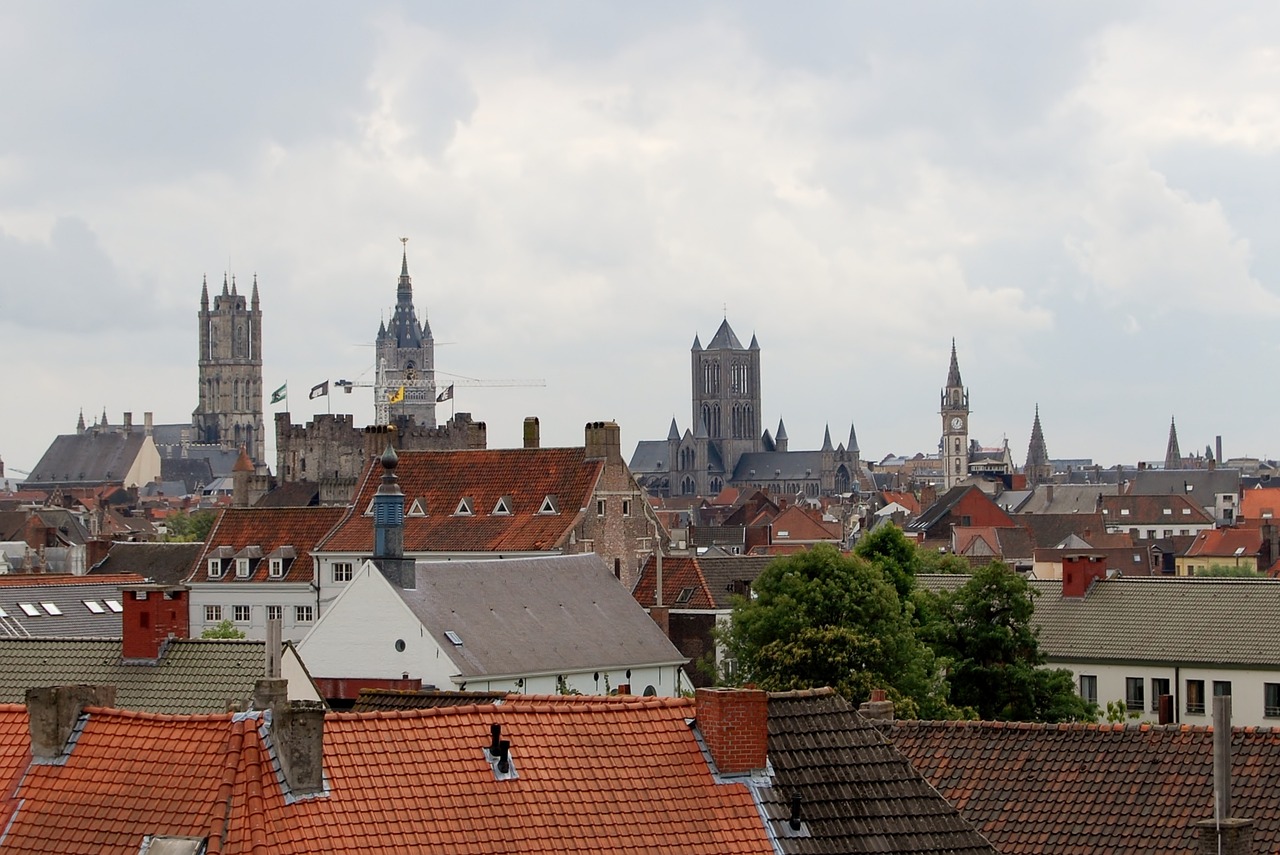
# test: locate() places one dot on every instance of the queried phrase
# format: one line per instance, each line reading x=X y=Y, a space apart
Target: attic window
x=465 y=508
x=30 y=610
x=275 y=569
x=1168 y=511
x=3 y=613
x=453 y=637
x=94 y=606
x=784 y=533
x=114 y=605
x=503 y=508
x=1187 y=512
x=51 y=608
x=368 y=512
x=215 y=568
x=685 y=595
x=242 y=567
x=1239 y=551
x=418 y=508
x=549 y=506
x=1124 y=512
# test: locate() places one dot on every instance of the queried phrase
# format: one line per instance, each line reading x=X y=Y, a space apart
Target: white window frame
x=275 y=568
x=213 y=614
x=242 y=568
x=341 y=571
x=242 y=614
x=215 y=568
x=275 y=613
x=304 y=614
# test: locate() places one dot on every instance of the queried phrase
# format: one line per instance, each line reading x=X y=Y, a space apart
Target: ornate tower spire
x=406 y=358
x=953 y=375
x=80 y=422
x=826 y=440
x=204 y=293
x=1038 y=469
x=955 y=425
x=1172 y=454
x=253 y=301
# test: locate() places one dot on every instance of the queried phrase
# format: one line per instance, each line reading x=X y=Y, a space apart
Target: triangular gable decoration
x=418 y=508
x=464 y=509
x=503 y=508
x=549 y=506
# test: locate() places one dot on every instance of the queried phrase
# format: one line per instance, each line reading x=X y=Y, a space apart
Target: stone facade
x=617 y=527
x=406 y=361
x=229 y=412
x=332 y=452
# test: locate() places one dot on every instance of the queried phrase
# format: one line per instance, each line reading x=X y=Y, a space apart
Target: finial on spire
x=404 y=256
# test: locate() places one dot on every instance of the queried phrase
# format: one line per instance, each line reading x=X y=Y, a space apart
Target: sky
x=1082 y=195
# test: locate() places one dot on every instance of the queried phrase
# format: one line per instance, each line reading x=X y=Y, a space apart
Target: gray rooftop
x=535 y=616
x=88 y=458
x=193 y=675
x=79 y=610
x=760 y=466
x=167 y=563
x=1199 y=484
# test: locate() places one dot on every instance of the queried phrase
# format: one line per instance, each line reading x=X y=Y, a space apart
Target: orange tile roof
x=678 y=572
x=1260 y=504
x=270 y=529
x=21 y=580
x=593 y=775
x=1224 y=542
x=796 y=525
x=439 y=480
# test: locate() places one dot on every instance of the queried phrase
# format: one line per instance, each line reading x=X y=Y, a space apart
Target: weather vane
x=405 y=242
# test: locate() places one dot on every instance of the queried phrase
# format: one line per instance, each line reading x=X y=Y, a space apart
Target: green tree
x=1227 y=570
x=898 y=559
x=181 y=527
x=947 y=563
x=226 y=629
x=820 y=618
x=983 y=633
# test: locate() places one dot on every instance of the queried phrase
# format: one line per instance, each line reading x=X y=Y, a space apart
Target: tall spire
x=404 y=322
x=953 y=375
x=1037 y=451
x=1172 y=455
x=80 y=422
x=853 y=440
x=204 y=293
x=826 y=440
x=225 y=292
x=674 y=432
x=233 y=285
x=254 y=300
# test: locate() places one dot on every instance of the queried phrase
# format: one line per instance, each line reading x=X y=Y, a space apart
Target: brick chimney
x=604 y=441
x=532 y=432
x=879 y=707
x=52 y=713
x=152 y=615
x=734 y=724
x=1079 y=572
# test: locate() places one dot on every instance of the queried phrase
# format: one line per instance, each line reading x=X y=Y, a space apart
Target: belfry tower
x=726 y=399
x=229 y=412
x=406 y=360
x=955 y=426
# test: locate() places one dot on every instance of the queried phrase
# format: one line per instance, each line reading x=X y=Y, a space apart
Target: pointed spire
x=853 y=440
x=1172 y=454
x=674 y=432
x=1037 y=451
x=782 y=431
x=755 y=345
x=80 y=422
x=724 y=339
x=700 y=429
x=254 y=299
x=104 y=417
x=697 y=345
x=404 y=327
x=233 y=285
x=243 y=463
x=953 y=375
x=204 y=292
x=225 y=292
x=826 y=440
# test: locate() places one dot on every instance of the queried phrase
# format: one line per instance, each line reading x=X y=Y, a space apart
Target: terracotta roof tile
x=611 y=776
x=39 y=580
x=439 y=480
x=269 y=529
x=1093 y=788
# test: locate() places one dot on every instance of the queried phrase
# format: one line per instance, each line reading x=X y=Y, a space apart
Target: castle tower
x=1172 y=454
x=726 y=397
x=1038 y=469
x=229 y=412
x=955 y=426
x=406 y=358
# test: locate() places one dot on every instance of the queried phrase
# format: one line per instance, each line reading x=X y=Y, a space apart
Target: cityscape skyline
x=1080 y=197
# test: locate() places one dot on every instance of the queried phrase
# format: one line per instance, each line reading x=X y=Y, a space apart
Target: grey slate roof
x=778 y=466
x=166 y=563
x=89 y=458
x=858 y=793
x=1067 y=498
x=193 y=675
x=76 y=619
x=724 y=338
x=651 y=456
x=1204 y=483
x=1223 y=622
x=721 y=573
x=535 y=616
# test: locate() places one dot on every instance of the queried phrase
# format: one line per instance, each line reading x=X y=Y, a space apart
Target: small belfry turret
x=405 y=353
x=388 y=525
x=955 y=425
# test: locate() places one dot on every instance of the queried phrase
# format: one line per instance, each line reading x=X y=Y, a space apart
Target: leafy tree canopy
x=898 y=559
x=983 y=632
x=820 y=618
x=226 y=629
x=181 y=527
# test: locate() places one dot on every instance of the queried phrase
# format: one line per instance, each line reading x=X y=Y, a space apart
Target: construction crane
x=458 y=380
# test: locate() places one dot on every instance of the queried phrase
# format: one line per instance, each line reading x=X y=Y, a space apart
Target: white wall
x=256 y=595
x=1246 y=690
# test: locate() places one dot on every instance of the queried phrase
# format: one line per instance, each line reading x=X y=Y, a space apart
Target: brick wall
x=735 y=727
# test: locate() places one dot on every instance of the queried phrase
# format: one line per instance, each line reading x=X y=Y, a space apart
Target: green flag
x=280 y=394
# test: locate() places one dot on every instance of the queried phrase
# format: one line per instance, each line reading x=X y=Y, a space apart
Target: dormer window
x=275 y=568
x=279 y=560
x=242 y=568
x=418 y=508
x=368 y=512
x=549 y=506
x=215 y=568
x=503 y=508
x=465 y=508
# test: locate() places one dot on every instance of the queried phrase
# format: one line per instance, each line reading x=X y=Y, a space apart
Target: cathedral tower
x=406 y=360
x=229 y=412
x=955 y=426
x=726 y=397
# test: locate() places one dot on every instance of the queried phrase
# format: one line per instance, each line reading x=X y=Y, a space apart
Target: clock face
x=957 y=423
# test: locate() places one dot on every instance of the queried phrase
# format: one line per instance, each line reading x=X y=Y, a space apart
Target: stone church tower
x=955 y=426
x=726 y=403
x=405 y=359
x=1038 y=469
x=229 y=412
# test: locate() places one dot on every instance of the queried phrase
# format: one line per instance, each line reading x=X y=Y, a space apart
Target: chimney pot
x=532 y=432
x=735 y=727
x=152 y=614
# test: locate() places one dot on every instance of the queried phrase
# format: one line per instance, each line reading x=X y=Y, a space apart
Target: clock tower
x=955 y=426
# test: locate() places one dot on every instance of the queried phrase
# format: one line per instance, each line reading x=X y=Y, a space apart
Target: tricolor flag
x=280 y=394
x=396 y=397
x=446 y=395
x=320 y=390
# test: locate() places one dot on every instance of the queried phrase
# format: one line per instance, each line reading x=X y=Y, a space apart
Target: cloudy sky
x=1083 y=195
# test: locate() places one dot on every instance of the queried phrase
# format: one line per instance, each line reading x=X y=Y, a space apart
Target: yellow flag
x=396 y=397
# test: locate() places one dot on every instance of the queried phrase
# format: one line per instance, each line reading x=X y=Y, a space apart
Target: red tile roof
x=797 y=525
x=440 y=480
x=678 y=573
x=1260 y=504
x=21 y=580
x=269 y=529
x=1226 y=543
x=593 y=775
x=1138 y=789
